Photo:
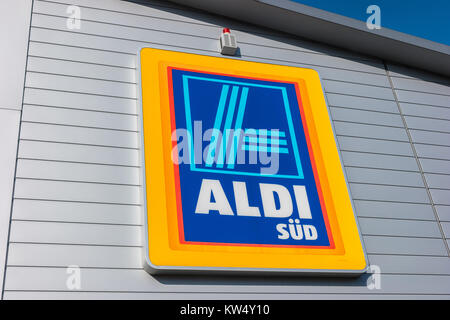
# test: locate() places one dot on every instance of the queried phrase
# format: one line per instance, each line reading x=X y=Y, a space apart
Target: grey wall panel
x=370 y=131
x=362 y=103
x=412 y=264
x=421 y=86
x=81 y=69
x=76 y=191
x=79 y=101
x=83 y=118
x=57 y=255
x=80 y=85
x=58 y=133
x=368 y=117
x=428 y=124
x=384 y=177
x=375 y=146
x=435 y=166
x=65 y=171
x=405 y=246
x=378 y=161
x=329 y=73
x=438 y=181
x=75 y=233
x=77 y=197
x=396 y=210
x=443 y=213
x=102 y=43
x=358 y=89
x=412 y=109
x=83 y=55
x=78 y=153
x=125 y=32
x=399 y=228
x=388 y=193
x=61 y=211
x=440 y=196
x=423 y=98
x=434 y=152
x=138 y=21
x=435 y=138
x=158 y=9
x=308 y=58
x=446 y=228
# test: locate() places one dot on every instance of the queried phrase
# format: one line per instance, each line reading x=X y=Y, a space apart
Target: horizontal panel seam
x=80 y=201
x=87 y=93
x=79 y=109
x=80 y=144
x=379 y=168
x=422 y=92
x=335 y=106
x=84 y=48
x=370 y=138
x=81 y=162
x=80 y=222
x=79 y=77
x=79 y=181
x=84 y=62
x=80 y=126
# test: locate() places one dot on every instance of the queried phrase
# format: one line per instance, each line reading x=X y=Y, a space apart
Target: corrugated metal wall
x=76 y=197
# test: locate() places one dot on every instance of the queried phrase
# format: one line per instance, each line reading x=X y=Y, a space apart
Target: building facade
x=69 y=131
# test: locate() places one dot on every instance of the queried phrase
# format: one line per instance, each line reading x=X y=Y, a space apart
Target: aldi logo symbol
x=241 y=169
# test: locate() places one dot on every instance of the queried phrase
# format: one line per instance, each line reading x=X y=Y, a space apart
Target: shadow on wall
x=233 y=280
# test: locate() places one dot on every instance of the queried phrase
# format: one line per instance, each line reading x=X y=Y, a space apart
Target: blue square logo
x=246 y=175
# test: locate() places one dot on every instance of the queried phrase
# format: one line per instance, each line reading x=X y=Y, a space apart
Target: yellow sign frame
x=163 y=250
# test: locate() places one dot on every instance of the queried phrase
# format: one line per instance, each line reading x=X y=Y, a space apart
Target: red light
x=226 y=30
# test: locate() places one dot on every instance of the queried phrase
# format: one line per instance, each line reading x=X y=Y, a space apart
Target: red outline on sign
x=177 y=172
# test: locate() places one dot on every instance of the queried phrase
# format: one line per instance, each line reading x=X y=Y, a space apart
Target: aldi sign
x=241 y=169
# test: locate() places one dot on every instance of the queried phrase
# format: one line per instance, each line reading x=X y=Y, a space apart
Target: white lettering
x=241 y=199
x=304 y=211
x=204 y=205
x=268 y=200
x=281 y=228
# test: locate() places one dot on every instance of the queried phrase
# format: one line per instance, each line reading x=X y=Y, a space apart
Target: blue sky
x=426 y=19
